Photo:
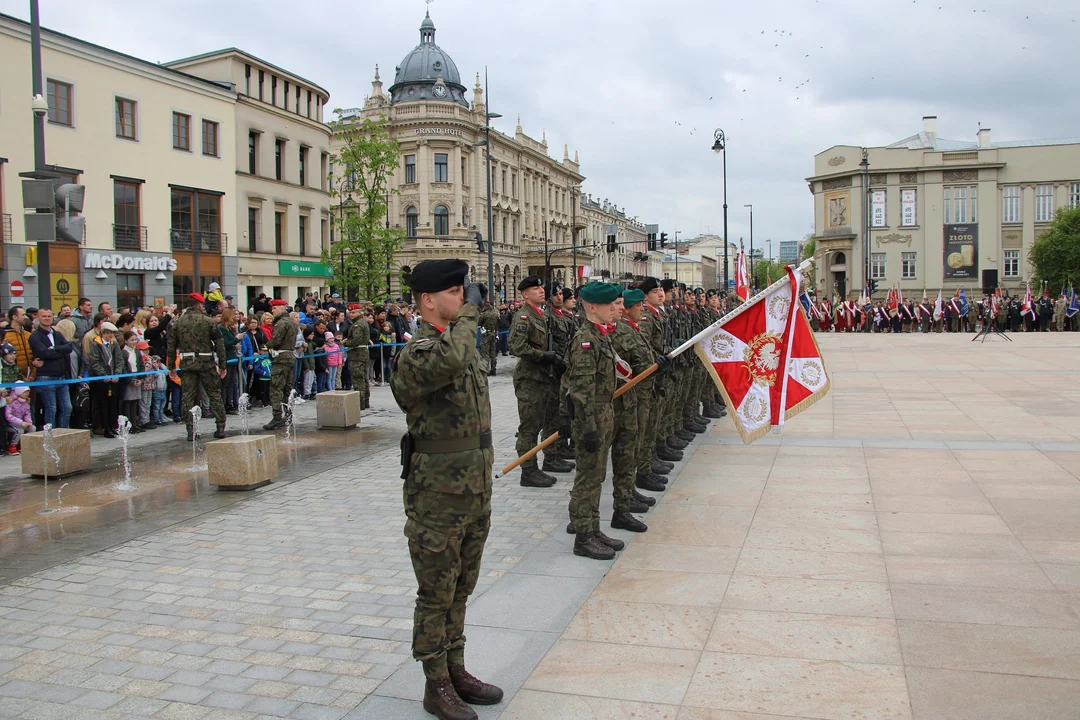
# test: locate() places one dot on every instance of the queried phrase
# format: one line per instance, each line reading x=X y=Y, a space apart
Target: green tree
x=809 y=248
x=1056 y=255
x=364 y=251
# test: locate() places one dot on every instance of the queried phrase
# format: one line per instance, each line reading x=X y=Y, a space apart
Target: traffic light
x=57 y=208
x=663 y=239
x=611 y=243
x=872 y=284
x=652 y=241
x=480 y=243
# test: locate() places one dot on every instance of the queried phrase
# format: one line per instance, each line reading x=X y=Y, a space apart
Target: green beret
x=600 y=293
x=632 y=297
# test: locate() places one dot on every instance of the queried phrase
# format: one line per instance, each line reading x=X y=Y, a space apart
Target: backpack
x=262 y=367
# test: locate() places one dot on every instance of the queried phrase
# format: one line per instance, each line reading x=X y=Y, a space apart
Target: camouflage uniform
x=533 y=381
x=440 y=384
x=628 y=438
x=652 y=405
x=489 y=325
x=194 y=340
x=1059 y=314
x=591 y=384
x=357 y=342
x=283 y=362
x=562 y=327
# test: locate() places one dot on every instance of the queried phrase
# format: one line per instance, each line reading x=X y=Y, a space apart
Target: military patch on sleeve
x=524 y=317
x=586 y=345
x=423 y=343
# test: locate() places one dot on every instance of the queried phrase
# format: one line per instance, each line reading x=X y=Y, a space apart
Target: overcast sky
x=637 y=87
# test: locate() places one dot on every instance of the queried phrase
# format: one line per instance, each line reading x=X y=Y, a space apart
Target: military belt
x=189 y=355
x=441 y=447
x=275 y=353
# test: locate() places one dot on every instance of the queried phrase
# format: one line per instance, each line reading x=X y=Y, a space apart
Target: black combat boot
x=626 y=521
x=553 y=463
x=635 y=506
x=442 y=701
x=695 y=427
x=645 y=482
x=660 y=467
x=472 y=690
x=220 y=432
x=570 y=529
x=644 y=499
x=657 y=478
x=277 y=422
x=686 y=435
x=676 y=442
x=613 y=543
x=668 y=454
x=533 y=477
x=586 y=544
x=711 y=411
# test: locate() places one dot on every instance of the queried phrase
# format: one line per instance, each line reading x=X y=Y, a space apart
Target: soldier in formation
x=197 y=348
x=439 y=382
x=357 y=342
x=489 y=334
x=536 y=382
x=281 y=346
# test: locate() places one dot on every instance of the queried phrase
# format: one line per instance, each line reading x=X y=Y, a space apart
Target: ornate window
x=411 y=222
x=442 y=220
x=1010 y=195
x=410 y=169
x=1012 y=263
x=1044 y=203
x=961 y=204
x=877 y=266
x=442 y=170
x=908 y=269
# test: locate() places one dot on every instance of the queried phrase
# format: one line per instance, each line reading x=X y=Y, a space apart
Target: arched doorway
x=839 y=269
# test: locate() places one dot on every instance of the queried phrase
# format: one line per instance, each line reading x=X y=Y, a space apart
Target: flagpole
x=803 y=266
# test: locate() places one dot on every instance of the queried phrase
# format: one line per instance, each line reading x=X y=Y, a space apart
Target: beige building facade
x=155 y=193
x=440 y=197
x=620 y=244
x=691 y=269
x=940 y=214
x=281 y=161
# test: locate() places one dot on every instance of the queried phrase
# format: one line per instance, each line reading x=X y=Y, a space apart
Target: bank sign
x=116 y=261
x=304 y=269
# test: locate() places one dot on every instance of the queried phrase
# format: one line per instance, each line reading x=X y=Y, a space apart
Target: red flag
x=1028 y=307
x=765 y=361
x=742 y=287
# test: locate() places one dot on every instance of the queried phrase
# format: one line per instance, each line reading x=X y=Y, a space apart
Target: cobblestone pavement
x=294 y=602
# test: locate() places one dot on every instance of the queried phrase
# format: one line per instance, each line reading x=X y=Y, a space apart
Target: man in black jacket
x=53 y=351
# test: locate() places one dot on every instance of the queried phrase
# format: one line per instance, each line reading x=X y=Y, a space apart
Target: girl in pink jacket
x=335 y=358
x=19 y=418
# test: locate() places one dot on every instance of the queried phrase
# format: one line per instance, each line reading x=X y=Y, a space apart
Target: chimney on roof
x=929 y=125
x=984 y=138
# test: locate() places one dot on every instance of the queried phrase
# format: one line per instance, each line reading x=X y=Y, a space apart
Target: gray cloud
x=637 y=87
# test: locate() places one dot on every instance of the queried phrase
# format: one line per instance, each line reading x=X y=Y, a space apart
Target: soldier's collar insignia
x=586 y=345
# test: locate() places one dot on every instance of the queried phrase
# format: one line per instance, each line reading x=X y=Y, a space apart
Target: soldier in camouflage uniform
x=534 y=381
x=357 y=341
x=489 y=335
x=439 y=382
x=562 y=327
x=591 y=384
x=196 y=345
x=281 y=344
x=650 y=466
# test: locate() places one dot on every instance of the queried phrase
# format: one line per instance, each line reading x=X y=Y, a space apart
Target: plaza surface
x=909 y=547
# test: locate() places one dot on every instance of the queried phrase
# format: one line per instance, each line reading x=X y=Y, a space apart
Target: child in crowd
x=9 y=370
x=159 y=384
x=334 y=359
x=18 y=416
x=146 y=396
x=105 y=358
x=131 y=393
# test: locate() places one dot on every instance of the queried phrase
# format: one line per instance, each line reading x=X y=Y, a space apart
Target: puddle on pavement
x=161 y=475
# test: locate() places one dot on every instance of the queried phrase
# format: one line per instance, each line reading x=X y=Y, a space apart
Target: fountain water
x=289 y=413
x=243 y=409
x=123 y=432
x=50 y=452
x=196 y=416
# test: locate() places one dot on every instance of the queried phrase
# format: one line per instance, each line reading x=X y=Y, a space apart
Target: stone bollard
x=338 y=409
x=71 y=446
x=244 y=462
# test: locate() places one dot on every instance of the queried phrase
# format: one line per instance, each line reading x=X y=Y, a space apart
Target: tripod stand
x=987 y=329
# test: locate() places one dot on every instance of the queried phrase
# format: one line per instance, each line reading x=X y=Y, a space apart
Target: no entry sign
x=16 y=288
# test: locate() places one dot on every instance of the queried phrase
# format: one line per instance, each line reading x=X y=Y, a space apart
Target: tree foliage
x=1055 y=256
x=359 y=184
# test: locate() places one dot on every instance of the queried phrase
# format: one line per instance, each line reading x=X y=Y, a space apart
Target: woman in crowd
x=230 y=384
x=142 y=322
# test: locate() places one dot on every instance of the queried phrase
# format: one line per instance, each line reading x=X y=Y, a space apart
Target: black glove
x=474 y=294
x=560 y=366
x=563 y=426
x=664 y=362
x=590 y=442
x=483 y=290
x=549 y=358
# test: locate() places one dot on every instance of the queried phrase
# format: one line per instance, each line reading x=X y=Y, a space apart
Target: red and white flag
x=742 y=287
x=765 y=361
x=938 y=309
x=1028 y=308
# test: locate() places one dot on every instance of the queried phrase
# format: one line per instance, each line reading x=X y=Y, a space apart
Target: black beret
x=647 y=285
x=682 y=286
x=712 y=293
x=431 y=276
x=530 y=281
x=552 y=289
x=567 y=293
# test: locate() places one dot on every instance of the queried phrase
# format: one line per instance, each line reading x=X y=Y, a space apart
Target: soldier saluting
x=440 y=383
x=196 y=347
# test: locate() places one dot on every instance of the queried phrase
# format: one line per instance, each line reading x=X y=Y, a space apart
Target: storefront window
x=129 y=291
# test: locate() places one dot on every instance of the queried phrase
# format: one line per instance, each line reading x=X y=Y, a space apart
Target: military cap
x=552 y=289
x=632 y=297
x=530 y=281
x=278 y=303
x=648 y=285
x=668 y=284
x=354 y=306
x=567 y=293
x=198 y=297
x=682 y=286
x=432 y=276
x=712 y=293
x=600 y=293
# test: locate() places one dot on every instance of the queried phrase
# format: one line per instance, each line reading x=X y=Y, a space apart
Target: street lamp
x=486 y=143
x=751 y=270
x=720 y=146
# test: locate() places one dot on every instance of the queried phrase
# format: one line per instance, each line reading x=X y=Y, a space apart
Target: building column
x=423 y=178
x=455 y=166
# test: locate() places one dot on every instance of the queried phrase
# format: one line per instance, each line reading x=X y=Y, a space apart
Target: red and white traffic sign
x=16 y=288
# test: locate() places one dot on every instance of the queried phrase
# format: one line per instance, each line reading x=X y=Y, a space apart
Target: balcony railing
x=205 y=241
x=129 y=237
x=5 y=228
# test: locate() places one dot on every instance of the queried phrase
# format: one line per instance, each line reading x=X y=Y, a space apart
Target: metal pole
x=547 y=257
x=573 y=233
x=751 y=245
x=388 y=236
x=725 y=221
x=491 y=219
x=866 y=214
x=36 y=85
x=196 y=241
